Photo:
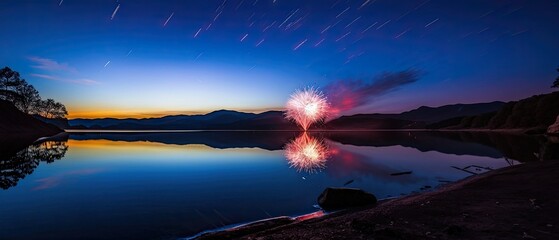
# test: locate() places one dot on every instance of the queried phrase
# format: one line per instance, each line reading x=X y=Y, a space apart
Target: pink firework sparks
x=306 y=153
x=306 y=107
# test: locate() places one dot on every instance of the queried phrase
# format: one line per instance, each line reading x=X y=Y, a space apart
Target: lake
x=157 y=185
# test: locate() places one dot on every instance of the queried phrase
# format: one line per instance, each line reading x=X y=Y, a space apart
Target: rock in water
x=554 y=128
x=339 y=198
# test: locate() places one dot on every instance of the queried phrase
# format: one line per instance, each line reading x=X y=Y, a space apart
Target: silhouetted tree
x=52 y=109
x=26 y=98
x=9 y=80
x=556 y=83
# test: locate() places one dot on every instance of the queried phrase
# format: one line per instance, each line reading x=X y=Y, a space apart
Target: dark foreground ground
x=518 y=202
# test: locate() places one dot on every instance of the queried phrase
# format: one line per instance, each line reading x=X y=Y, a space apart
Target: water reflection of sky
x=130 y=189
x=371 y=168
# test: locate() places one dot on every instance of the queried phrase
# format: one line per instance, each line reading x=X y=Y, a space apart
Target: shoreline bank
x=510 y=203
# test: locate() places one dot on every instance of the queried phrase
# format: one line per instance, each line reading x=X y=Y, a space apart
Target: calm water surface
x=171 y=185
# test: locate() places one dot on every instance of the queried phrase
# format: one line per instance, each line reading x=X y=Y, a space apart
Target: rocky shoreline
x=517 y=202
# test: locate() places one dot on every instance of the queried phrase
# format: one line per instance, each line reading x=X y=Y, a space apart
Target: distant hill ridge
x=435 y=114
x=415 y=119
x=536 y=112
x=274 y=120
x=217 y=120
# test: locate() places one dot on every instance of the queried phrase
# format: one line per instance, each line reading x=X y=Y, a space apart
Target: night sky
x=149 y=58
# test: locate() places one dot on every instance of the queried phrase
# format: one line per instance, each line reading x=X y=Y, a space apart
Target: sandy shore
x=518 y=202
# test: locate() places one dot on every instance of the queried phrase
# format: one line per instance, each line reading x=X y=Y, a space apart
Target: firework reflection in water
x=306 y=153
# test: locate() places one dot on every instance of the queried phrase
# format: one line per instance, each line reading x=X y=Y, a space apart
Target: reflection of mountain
x=16 y=163
x=17 y=166
x=495 y=145
x=311 y=154
x=216 y=139
x=353 y=162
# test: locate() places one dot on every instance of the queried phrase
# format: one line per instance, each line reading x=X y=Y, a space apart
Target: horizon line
x=254 y=111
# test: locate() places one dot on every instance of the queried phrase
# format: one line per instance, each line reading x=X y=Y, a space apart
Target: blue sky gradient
x=168 y=57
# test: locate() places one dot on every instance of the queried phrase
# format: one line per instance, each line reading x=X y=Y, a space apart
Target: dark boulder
x=339 y=198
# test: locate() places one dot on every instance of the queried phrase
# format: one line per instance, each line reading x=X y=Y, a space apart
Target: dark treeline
x=26 y=98
x=538 y=111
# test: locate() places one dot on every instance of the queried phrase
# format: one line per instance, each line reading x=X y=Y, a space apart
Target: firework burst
x=306 y=153
x=306 y=107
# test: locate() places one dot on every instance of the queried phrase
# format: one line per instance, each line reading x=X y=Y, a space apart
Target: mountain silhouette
x=274 y=120
x=217 y=120
x=435 y=114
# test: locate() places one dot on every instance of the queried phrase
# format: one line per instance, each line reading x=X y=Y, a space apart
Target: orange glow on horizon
x=126 y=114
x=108 y=147
x=122 y=114
x=129 y=146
